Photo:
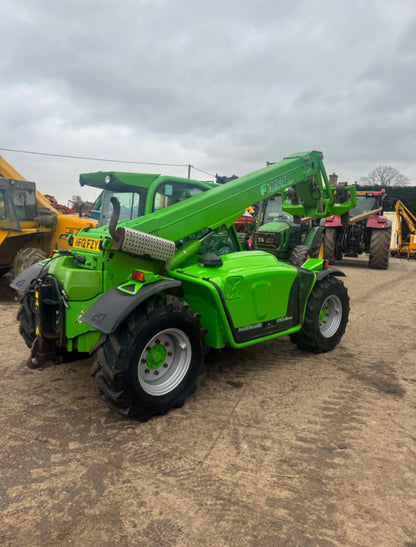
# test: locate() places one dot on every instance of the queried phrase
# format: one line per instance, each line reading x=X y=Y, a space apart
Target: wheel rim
x=164 y=362
x=321 y=251
x=330 y=316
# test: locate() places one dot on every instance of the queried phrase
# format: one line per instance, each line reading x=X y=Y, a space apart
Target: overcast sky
x=219 y=84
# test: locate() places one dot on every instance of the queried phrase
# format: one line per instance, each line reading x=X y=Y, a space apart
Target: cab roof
x=117 y=181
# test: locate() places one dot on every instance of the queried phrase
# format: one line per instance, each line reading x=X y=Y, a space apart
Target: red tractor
x=363 y=230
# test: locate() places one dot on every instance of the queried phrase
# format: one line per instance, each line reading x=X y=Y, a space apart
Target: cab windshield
x=364 y=204
x=273 y=210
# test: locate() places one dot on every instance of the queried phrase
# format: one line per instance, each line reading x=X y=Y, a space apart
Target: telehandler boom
x=146 y=296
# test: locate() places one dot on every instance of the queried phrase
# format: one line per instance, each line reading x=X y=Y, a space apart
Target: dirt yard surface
x=276 y=447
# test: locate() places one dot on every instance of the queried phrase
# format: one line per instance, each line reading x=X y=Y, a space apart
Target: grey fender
x=23 y=281
x=109 y=311
x=321 y=274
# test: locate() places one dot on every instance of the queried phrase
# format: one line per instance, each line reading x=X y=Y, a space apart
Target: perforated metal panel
x=140 y=243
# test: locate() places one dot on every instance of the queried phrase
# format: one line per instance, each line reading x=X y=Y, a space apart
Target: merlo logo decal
x=233 y=288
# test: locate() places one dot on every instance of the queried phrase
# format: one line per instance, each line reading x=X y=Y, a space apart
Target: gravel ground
x=276 y=447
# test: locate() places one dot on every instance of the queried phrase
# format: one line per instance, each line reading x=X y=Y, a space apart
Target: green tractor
x=293 y=238
x=148 y=295
x=290 y=239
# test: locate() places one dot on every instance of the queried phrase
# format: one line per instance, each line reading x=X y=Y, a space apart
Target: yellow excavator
x=405 y=244
x=30 y=227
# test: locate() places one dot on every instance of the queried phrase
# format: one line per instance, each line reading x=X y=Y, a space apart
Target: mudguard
x=321 y=274
x=110 y=310
x=378 y=222
x=23 y=281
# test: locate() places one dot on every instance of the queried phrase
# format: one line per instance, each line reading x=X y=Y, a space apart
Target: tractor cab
x=17 y=204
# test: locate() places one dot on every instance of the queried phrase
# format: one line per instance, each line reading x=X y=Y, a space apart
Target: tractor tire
x=152 y=362
x=319 y=251
x=326 y=317
x=299 y=255
x=379 y=249
x=27 y=319
x=25 y=258
x=330 y=239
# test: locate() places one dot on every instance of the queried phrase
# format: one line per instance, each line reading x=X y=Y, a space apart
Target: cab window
x=169 y=193
x=221 y=241
x=131 y=205
x=2 y=205
x=24 y=202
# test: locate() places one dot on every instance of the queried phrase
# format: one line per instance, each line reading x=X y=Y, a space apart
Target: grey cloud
x=225 y=82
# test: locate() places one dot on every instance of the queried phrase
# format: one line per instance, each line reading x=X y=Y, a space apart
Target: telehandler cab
x=146 y=296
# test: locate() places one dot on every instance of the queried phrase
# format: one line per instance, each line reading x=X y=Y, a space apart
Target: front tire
x=27 y=318
x=326 y=317
x=25 y=258
x=152 y=362
x=300 y=255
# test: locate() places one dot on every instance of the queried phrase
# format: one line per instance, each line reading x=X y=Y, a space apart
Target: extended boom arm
x=304 y=174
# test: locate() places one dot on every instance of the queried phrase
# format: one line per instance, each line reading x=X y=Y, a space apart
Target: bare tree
x=75 y=203
x=384 y=175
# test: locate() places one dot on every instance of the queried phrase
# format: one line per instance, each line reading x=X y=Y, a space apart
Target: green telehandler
x=147 y=295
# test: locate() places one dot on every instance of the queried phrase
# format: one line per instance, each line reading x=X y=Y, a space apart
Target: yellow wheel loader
x=30 y=227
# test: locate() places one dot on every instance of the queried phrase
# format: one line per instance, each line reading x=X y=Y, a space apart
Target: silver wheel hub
x=330 y=316
x=164 y=362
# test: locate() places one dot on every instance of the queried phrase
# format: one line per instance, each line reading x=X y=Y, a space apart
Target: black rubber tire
x=25 y=258
x=319 y=250
x=117 y=369
x=299 y=255
x=379 y=249
x=330 y=244
x=27 y=319
x=326 y=317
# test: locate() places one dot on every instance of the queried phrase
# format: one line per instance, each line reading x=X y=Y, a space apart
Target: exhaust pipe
x=116 y=233
x=136 y=242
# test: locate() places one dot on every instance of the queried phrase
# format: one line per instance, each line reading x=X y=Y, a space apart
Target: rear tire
x=319 y=252
x=326 y=317
x=152 y=362
x=299 y=255
x=25 y=258
x=330 y=245
x=380 y=249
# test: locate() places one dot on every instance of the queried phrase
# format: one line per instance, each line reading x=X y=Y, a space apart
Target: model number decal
x=272 y=187
x=266 y=324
